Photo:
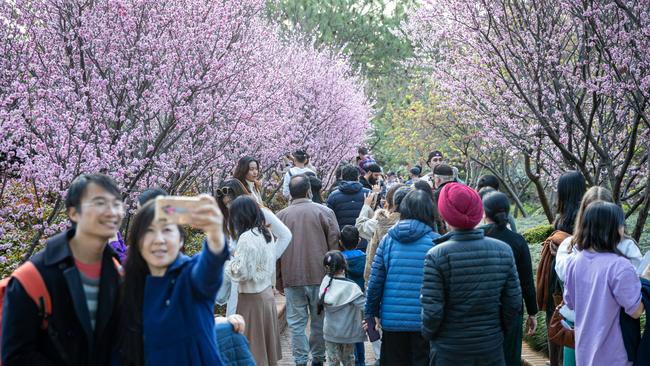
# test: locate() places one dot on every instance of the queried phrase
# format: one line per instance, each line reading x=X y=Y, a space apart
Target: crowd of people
x=429 y=272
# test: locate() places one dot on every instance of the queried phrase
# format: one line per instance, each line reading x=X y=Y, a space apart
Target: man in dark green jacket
x=470 y=291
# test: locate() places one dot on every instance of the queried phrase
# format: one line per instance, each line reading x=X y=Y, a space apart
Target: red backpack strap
x=32 y=281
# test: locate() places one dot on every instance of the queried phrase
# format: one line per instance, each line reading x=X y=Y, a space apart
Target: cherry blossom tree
x=564 y=83
x=156 y=93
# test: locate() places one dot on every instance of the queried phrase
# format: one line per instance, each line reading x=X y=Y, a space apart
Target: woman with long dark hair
x=396 y=280
x=497 y=208
x=627 y=247
x=167 y=298
x=248 y=172
x=228 y=191
x=253 y=268
x=600 y=284
x=570 y=189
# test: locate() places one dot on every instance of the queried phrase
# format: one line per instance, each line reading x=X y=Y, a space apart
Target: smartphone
x=175 y=209
x=373 y=333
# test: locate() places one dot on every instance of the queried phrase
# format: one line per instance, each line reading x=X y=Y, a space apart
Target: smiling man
x=81 y=277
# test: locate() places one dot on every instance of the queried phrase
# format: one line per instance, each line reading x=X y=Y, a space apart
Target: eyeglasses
x=224 y=191
x=103 y=205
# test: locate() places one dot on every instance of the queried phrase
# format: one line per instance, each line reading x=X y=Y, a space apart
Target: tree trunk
x=643 y=213
x=540 y=189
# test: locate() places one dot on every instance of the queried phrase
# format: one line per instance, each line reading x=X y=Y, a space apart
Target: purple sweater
x=597 y=286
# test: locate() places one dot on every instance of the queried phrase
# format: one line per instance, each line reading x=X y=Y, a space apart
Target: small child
x=343 y=302
x=355 y=258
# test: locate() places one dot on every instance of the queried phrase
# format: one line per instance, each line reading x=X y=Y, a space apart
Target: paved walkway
x=287 y=358
x=529 y=357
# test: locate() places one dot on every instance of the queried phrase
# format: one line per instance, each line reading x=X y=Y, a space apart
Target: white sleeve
x=280 y=231
x=365 y=223
x=285 y=184
x=562 y=257
x=631 y=251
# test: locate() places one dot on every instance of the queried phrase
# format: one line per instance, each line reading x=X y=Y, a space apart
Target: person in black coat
x=470 y=293
x=81 y=276
x=497 y=207
x=347 y=200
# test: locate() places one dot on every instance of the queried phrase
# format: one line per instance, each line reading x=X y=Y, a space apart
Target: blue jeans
x=359 y=354
x=302 y=306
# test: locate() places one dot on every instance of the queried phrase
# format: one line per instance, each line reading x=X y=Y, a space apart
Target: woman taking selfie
x=248 y=173
x=228 y=191
x=253 y=267
x=167 y=299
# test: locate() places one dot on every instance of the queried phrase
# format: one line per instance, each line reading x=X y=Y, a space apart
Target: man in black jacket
x=470 y=291
x=82 y=279
x=347 y=200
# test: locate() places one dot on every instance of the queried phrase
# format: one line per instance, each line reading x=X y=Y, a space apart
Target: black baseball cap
x=444 y=170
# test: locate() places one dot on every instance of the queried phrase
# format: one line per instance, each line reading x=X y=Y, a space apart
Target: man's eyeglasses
x=104 y=205
x=223 y=191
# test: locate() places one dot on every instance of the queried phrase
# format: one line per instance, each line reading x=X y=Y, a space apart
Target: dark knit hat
x=416 y=170
x=460 y=206
x=373 y=168
x=444 y=170
x=434 y=154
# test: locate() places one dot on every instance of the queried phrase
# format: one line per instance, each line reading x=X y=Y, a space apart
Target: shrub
x=537 y=234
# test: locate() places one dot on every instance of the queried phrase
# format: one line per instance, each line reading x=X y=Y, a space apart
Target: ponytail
x=497 y=207
x=334 y=261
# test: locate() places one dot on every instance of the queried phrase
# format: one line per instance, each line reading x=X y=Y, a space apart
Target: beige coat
x=385 y=221
x=315 y=232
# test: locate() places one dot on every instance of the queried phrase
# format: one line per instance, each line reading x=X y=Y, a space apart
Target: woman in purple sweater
x=599 y=282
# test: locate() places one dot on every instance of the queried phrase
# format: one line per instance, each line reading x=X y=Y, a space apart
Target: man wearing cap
x=435 y=158
x=443 y=174
x=371 y=177
x=470 y=290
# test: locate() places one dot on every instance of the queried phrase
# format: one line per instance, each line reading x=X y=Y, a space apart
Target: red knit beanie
x=460 y=206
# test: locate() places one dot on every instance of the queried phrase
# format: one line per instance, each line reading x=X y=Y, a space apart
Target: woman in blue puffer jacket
x=393 y=296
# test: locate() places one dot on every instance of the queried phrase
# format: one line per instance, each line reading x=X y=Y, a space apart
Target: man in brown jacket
x=315 y=232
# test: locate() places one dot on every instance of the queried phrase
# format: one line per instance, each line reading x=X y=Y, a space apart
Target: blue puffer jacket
x=346 y=202
x=356 y=264
x=396 y=276
x=233 y=347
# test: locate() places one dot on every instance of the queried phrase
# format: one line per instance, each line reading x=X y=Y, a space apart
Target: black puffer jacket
x=470 y=293
x=347 y=201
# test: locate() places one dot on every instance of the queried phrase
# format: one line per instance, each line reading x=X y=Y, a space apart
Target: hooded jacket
x=343 y=311
x=396 y=276
x=346 y=202
x=356 y=263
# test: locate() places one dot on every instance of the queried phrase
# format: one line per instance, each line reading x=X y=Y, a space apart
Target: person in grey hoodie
x=343 y=301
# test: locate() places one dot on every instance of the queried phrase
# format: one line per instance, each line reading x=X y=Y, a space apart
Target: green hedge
x=537 y=234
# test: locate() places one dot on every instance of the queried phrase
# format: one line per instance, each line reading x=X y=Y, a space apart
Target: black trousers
x=404 y=349
x=456 y=359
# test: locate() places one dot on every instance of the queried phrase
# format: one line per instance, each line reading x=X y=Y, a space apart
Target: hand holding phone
x=176 y=209
x=371 y=326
